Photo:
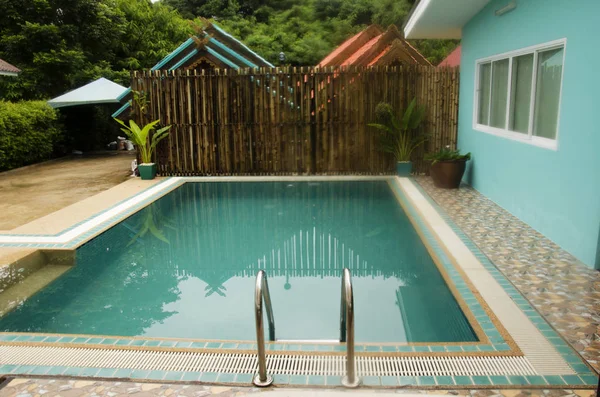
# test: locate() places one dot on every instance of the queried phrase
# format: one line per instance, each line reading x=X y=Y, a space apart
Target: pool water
x=185 y=267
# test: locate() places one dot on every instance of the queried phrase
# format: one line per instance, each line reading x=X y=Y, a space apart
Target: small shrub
x=447 y=154
x=395 y=132
x=29 y=132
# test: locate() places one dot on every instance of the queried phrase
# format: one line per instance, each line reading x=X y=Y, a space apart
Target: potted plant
x=145 y=144
x=447 y=167
x=396 y=134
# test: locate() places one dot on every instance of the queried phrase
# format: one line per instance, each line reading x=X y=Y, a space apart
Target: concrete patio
x=31 y=192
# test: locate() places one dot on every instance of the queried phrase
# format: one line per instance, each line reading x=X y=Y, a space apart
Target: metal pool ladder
x=347 y=329
x=261 y=292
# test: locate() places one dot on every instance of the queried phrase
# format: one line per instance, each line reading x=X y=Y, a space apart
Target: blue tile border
x=83 y=237
x=585 y=377
x=576 y=362
x=462 y=288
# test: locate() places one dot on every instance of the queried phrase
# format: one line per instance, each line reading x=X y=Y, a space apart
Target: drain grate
x=277 y=364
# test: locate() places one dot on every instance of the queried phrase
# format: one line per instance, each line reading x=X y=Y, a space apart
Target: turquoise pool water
x=185 y=267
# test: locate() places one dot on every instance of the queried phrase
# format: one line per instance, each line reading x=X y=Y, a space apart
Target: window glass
x=520 y=100
x=499 y=93
x=485 y=74
x=547 y=93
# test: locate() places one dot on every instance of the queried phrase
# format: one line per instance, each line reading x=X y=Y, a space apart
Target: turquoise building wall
x=556 y=192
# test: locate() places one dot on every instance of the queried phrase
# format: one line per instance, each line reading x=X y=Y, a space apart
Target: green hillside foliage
x=63 y=44
x=305 y=30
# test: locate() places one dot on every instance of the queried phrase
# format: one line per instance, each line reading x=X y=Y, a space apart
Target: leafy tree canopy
x=63 y=44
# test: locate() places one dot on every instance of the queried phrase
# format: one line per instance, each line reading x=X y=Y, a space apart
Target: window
x=518 y=94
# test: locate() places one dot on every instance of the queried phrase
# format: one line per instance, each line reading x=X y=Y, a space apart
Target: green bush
x=29 y=133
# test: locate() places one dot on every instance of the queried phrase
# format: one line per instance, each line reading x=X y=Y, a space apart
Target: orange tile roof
x=378 y=57
x=339 y=50
x=7 y=67
x=452 y=60
x=354 y=57
x=358 y=51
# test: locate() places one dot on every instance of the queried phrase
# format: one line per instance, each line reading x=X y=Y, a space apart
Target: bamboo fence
x=294 y=120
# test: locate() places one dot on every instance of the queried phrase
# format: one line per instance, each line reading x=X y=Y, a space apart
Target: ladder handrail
x=347 y=329
x=261 y=292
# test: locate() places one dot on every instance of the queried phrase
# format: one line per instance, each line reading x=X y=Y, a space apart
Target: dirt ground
x=31 y=192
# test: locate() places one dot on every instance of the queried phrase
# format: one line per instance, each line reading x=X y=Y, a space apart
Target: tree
x=62 y=44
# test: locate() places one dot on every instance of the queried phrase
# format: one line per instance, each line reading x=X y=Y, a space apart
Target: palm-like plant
x=139 y=137
x=396 y=134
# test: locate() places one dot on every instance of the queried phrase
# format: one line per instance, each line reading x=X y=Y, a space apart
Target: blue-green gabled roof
x=216 y=47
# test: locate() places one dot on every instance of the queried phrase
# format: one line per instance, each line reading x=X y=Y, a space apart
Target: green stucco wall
x=556 y=192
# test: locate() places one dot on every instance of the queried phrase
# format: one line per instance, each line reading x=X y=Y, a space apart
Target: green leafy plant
x=396 y=134
x=140 y=137
x=30 y=131
x=447 y=154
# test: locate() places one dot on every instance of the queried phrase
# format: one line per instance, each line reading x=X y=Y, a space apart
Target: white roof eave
x=441 y=19
x=100 y=91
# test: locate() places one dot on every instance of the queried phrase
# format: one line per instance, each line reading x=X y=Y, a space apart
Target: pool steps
x=18 y=266
x=24 y=277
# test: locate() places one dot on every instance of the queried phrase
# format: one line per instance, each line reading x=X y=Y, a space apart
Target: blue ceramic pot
x=147 y=171
x=404 y=168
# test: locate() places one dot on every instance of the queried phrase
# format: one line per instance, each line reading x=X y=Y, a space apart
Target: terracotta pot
x=448 y=174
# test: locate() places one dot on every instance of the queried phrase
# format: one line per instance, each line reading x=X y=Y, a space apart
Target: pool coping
x=362 y=349
x=492 y=337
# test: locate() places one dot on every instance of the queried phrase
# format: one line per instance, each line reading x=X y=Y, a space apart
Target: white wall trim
x=526 y=50
x=528 y=138
x=516 y=136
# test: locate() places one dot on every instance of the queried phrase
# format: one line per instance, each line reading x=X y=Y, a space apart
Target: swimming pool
x=184 y=267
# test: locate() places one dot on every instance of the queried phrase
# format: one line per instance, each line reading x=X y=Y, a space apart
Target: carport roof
x=96 y=92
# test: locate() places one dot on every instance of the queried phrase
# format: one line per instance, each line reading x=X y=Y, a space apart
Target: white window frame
x=528 y=138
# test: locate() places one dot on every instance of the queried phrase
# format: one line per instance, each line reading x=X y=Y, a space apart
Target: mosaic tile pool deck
x=74 y=388
x=561 y=288
x=585 y=376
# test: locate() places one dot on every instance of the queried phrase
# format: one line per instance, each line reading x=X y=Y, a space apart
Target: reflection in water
x=185 y=267
x=152 y=220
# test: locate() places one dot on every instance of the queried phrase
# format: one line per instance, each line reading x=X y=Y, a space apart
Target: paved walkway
x=561 y=288
x=74 y=388
x=31 y=192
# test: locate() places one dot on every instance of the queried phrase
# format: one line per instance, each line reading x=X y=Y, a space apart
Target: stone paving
x=23 y=387
x=561 y=288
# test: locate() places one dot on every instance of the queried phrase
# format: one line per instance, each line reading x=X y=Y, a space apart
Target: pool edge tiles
x=474 y=307
x=582 y=379
x=482 y=347
x=481 y=271
x=568 y=352
x=71 y=238
x=80 y=232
